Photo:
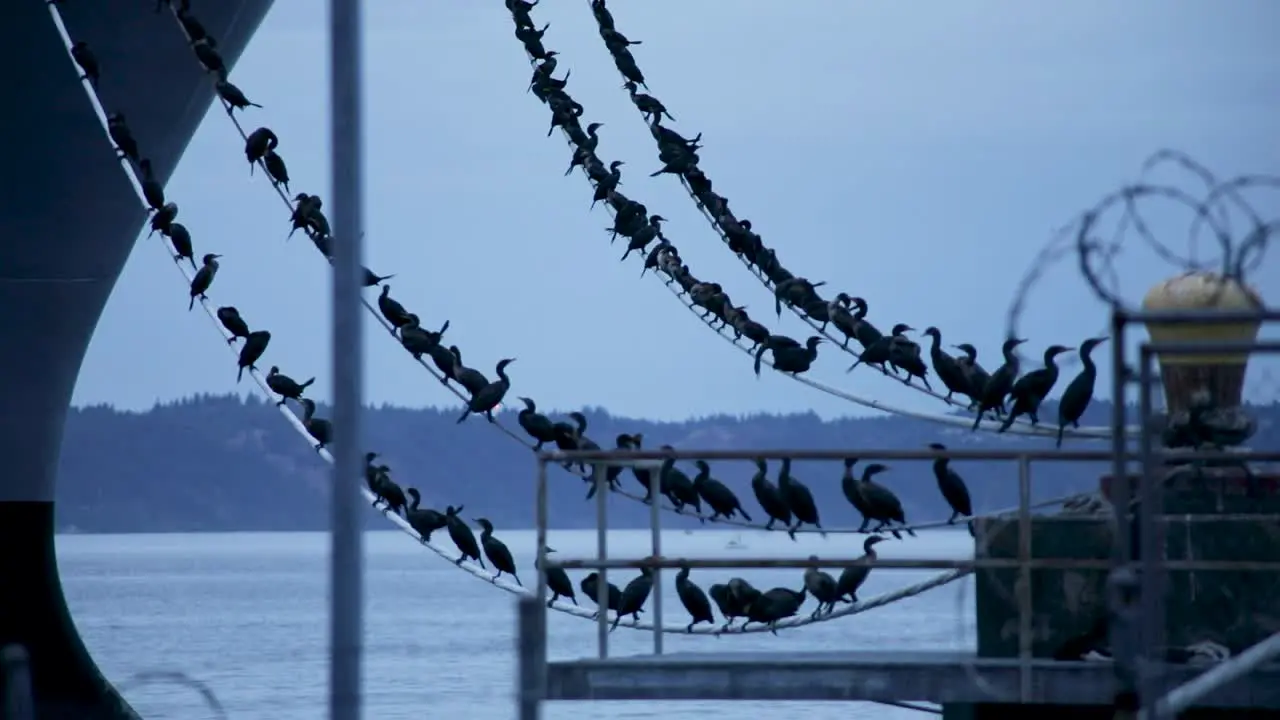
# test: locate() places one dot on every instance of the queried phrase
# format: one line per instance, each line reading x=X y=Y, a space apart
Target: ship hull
x=68 y=221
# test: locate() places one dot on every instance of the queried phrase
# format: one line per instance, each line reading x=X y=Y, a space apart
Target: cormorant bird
x=590 y=587
x=286 y=387
x=798 y=498
x=904 y=355
x=566 y=438
x=769 y=497
x=634 y=595
x=372 y=278
x=694 y=600
x=424 y=521
x=392 y=310
x=180 y=239
x=535 y=424
x=230 y=318
x=677 y=486
x=86 y=61
x=233 y=96
x=203 y=278
x=190 y=25
x=255 y=344
x=849 y=486
x=162 y=220
x=883 y=506
x=1031 y=389
x=497 y=551
x=880 y=352
x=719 y=497
x=650 y=106
x=788 y=355
x=558 y=581
x=462 y=537
x=122 y=136
x=442 y=357
x=490 y=396
x=621 y=442
x=643 y=475
x=209 y=57
x=821 y=586
x=152 y=190
x=730 y=606
x=258 y=144
x=952 y=487
x=276 y=169
x=1079 y=392
x=319 y=429
x=947 y=367
x=852 y=578
x=1000 y=383
x=975 y=375
x=418 y=341
x=390 y=492
x=469 y=378
x=774 y=605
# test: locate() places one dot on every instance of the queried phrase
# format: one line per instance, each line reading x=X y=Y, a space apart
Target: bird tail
x=1061 y=428
x=308 y=383
x=240 y=374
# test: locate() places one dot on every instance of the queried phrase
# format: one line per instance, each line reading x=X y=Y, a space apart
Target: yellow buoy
x=1221 y=376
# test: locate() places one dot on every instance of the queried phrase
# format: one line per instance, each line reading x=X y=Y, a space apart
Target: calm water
x=247 y=615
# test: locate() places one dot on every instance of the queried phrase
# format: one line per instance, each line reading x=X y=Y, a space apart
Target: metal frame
x=938 y=677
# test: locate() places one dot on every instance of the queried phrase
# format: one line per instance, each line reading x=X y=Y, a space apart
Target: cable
x=1020 y=426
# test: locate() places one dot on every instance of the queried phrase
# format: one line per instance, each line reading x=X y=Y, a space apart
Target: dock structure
x=1180 y=556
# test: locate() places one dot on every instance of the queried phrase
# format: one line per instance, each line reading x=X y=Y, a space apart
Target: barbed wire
x=1097 y=237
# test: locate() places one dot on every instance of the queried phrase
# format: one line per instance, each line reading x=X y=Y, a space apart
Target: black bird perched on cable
x=233 y=96
x=1000 y=382
x=947 y=367
x=490 y=396
x=558 y=581
x=152 y=190
x=774 y=606
x=372 y=279
x=276 y=169
x=392 y=310
x=208 y=56
x=821 y=586
x=319 y=429
x=952 y=487
x=462 y=537
x=203 y=278
x=975 y=375
x=851 y=579
x=882 y=504
x=719 y=497
x=650 y=106
x=1079 y=393
x=162 y=220
x=230 y=318
x=424 y=521
x=798 y=498
x=180 y=239
x=849 y=487
x=258 y=144
x=497 y=552
x=611 y=594
x=767 y=494
x=418 y=341
x=190 y=25
x=87 y=61
x=122 y=136
x=1031 y=389
x=535 y=424
x=251 y=352
x=694 y=600
x=634 y=595
x=677 y=486
x=286 y=387
x=531 y=38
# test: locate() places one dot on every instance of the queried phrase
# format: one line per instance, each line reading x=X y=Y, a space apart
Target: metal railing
x=1138 y=650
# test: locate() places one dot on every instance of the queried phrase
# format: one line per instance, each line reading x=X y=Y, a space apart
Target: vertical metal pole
x=346 y=139
x=599 y=473
x=16 y=667
x=655 y=548
x=1024 y=579
x=542 y=520
x=1120 y=495
x=531 y=648
x=1151 y=513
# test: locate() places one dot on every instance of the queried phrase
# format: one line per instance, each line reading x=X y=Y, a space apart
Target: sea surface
x=246 y=614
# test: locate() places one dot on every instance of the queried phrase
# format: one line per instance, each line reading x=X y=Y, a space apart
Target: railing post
x=655 y=547
x=542 y=520
x=599 y=473
x=1024 y=579
x=1120 y=630
x=1151 y=542
x=16 y=667
x=531 y=648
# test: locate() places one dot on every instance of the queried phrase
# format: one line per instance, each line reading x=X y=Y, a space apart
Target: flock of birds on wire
x=787 y=502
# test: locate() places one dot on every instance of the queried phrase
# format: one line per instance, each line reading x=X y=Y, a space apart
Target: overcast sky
x=918 y=159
